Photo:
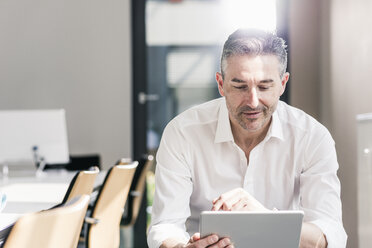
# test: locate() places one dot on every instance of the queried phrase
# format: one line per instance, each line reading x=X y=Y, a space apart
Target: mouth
x=252 y=115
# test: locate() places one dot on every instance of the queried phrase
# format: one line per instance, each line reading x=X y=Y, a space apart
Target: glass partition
x=184 y=44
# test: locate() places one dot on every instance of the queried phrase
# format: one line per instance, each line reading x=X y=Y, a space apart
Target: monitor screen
x=22 y=130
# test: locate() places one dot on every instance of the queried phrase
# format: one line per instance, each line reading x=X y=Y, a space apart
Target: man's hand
x=312 y=236
x=237 y=200
x=195 y=241
x=211 y=241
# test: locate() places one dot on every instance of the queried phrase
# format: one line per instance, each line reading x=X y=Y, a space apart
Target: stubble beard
x=246 y=123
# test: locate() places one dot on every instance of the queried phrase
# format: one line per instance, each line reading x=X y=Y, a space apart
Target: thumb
x=195 y=237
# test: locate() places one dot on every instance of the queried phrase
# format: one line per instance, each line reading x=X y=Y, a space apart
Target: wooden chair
x=81 y=184
x=58 y=228
x=137 y=190
x=104 y=226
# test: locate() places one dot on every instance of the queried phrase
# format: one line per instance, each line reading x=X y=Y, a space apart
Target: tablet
x=280 y=229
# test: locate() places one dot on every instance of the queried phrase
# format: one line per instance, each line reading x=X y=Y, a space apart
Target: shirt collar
x=275 y=129
x=224 y=133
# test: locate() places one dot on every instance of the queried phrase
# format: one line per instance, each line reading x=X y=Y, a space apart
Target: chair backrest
x=137 y=190
x=58 y=228
x=108 y=208
x=81 y=184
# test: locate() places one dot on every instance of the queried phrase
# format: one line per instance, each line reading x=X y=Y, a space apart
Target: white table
x=29 y=192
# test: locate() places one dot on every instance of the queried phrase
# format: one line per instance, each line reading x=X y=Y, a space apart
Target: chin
x=251 y=128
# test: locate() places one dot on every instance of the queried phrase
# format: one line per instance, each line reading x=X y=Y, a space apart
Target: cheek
x=269 y=98
x=235 y=100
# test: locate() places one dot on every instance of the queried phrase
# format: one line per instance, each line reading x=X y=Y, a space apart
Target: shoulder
x=198 y=115
x=188 y=130
x=298 y=121
x=308 y=136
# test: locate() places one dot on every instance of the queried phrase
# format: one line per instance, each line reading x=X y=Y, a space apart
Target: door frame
x=139 y=110
x=139 y=85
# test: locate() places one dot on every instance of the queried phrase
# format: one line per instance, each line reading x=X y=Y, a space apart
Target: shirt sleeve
x=320 y=189
x=173 y=188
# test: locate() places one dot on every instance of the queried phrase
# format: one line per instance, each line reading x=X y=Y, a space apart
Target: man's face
x=252 y=87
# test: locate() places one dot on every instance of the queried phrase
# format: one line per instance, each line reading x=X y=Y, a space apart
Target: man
x=246 y=151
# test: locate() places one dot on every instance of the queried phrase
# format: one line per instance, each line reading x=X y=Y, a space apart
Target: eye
x=263 y=87
x=240 y=87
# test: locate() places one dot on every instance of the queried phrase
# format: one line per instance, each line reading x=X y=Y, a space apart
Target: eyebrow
x=237 y=80
x=266 y=81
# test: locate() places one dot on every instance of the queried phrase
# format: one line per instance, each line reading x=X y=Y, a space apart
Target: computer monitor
x=21 y=131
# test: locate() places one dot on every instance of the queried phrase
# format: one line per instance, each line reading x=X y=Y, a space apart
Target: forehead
x=247 y=65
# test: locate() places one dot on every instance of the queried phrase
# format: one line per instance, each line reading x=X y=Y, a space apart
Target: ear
x=284 y=81
x=219 y=80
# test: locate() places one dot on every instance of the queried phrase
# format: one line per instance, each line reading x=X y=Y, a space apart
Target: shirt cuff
x=334 y=232
x=160 y=232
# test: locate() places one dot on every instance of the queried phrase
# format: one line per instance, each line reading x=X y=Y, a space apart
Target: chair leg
x=126 y=237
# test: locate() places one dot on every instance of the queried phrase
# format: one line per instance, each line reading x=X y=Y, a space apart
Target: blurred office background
x=122 y=69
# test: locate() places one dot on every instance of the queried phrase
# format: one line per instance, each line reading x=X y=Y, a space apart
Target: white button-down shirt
x=293 y=168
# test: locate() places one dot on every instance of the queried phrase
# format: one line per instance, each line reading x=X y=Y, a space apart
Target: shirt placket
x=245 y=169
x=249 y=174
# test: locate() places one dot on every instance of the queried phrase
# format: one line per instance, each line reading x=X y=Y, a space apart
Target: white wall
x=351 y=91
x=304 y=61
x=72 y=54
x=331 y=64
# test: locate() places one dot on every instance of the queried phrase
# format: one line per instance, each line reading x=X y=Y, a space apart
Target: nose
x=252 y=98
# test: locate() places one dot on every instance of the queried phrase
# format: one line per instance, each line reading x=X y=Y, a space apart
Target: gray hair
x=255 y=42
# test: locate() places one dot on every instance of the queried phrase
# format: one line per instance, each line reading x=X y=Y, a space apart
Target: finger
x=218 y=204
x=226 y=194
x=195 y=237
x=229 y=203
x=239 y=206
x=207 y=241
x=225 y=242
x=225 y=197
x=232 y=200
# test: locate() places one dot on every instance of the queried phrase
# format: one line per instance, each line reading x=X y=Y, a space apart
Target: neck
x=246 y=139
